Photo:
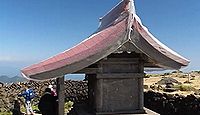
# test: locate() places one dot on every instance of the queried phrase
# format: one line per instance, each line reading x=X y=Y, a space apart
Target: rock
x=146 y=87
x=166 y=104
x=1 y=84
x=167 y=80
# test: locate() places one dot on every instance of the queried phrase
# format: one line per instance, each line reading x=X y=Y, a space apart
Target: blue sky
x=33 y=30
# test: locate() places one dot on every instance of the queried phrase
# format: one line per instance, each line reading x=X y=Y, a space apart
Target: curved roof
x=118 y=26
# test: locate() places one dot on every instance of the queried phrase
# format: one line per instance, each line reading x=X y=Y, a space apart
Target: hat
x=50 y=86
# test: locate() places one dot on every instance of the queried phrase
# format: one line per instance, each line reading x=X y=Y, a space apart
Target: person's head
x=48 y=90
x=50 y=86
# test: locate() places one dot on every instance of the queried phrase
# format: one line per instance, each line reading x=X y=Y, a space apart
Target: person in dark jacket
x=16 y=108
x=48 y=103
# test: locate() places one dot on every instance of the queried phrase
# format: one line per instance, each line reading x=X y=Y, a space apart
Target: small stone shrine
x=113 y=59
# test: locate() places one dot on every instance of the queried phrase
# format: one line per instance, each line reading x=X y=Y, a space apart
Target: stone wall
x=168 y=104
x=76 y=91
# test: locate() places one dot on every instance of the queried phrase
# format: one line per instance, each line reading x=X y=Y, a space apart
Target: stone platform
x=82 y=109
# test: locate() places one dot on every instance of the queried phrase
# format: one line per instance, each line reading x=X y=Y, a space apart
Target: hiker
x=16 y=108
x=48 y=104
x=53 y=90
x=28 y=94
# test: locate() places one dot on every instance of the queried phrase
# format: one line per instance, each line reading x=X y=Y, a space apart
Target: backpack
x=31 y=94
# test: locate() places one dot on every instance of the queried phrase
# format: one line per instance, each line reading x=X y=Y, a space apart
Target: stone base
x=82 y=109
x=116 y=93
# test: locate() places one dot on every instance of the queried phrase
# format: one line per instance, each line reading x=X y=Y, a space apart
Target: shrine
x=113 y=59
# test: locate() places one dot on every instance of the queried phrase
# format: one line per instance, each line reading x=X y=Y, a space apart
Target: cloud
x=7 y=58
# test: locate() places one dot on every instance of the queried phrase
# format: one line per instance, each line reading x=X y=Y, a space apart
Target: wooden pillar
x=141 y=85
x=61 y=95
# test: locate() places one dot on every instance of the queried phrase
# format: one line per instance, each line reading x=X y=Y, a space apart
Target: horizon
x=31 y=31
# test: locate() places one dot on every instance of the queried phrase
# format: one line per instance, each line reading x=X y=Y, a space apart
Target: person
x=28 y=94
x=16 y=108
x=48 y=104
x=53 y=90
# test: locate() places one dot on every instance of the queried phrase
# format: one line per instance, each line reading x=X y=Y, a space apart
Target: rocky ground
x=184 y=83
x=173 y=93
x=155 y=97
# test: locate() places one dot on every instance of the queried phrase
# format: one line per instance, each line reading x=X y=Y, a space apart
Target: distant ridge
x=9 y=71
x=6 y=79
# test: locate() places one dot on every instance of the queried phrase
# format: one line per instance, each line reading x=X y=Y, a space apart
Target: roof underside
x=120 y=30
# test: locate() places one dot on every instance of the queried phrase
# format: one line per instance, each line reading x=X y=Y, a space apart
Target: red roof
x=118 y=26
x=101 y=43
x=154 y=49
